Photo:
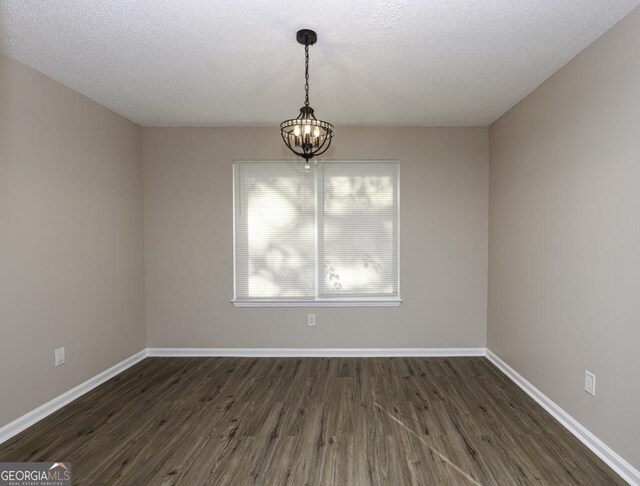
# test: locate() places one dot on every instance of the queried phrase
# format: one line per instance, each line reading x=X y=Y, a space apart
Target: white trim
x=316 y=228
x=315 y=352
x=317 y=303
x=399 y=251
x=233 y=192
x=30 y=418
x=604 y=452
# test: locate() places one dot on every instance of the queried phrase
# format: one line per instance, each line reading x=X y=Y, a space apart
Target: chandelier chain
x=306 y=75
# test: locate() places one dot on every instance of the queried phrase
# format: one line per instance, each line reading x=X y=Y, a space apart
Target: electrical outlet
x=590 y=383
x=311 y=320
x=59 y=355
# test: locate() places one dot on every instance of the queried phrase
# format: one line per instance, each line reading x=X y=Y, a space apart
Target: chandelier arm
x=320 y=152
x=286 y=141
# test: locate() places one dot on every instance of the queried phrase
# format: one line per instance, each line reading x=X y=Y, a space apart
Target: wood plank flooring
x=338 y=421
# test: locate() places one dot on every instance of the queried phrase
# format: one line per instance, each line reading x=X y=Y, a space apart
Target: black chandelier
x=306 y=136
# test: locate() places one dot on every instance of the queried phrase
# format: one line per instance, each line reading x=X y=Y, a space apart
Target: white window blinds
x=327 y=235
x=274 y=231
x=358 y=229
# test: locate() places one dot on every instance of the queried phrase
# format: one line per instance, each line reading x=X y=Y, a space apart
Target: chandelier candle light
x=306 y=136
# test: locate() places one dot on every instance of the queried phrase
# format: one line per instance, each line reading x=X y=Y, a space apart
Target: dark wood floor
x=296 y=421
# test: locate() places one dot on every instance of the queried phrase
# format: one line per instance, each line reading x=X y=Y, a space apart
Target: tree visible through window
x=330 y=234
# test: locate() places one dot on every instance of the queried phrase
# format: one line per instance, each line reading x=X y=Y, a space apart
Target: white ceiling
x=236 y=62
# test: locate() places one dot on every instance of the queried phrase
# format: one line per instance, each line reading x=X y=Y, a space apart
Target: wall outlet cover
x=311 y=320
x=59 y=356
x=590 y=383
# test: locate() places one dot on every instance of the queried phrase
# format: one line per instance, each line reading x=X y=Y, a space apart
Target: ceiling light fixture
x=306 y=136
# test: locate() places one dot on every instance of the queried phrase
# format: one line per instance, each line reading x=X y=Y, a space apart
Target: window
x=324 y=237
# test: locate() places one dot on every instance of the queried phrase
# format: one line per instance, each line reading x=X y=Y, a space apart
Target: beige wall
x=188 y=242
x=71 y=264
x=564 y=261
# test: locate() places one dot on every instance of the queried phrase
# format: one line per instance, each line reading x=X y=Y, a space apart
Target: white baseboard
x=30 y=418
x=315 y=352
x=604 y=452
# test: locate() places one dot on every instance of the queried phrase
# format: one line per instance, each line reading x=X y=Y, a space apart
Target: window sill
x=317 y=303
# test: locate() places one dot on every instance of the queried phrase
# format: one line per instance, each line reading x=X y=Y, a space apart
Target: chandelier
x=306 y=136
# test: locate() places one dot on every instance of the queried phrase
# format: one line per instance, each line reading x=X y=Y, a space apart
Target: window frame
x=376 y=301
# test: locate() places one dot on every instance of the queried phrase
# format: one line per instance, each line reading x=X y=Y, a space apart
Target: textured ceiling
x=236 y=62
